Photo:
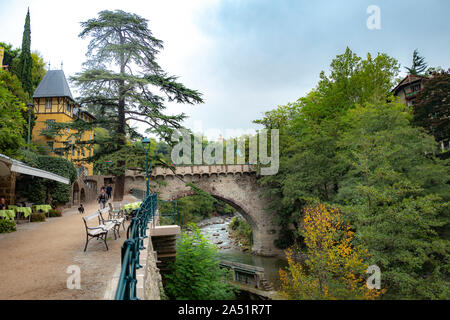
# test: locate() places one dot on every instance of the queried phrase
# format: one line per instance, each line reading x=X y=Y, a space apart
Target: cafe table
x=10 y=214
x=131 y=206
x=43 y=207
x=25 y=210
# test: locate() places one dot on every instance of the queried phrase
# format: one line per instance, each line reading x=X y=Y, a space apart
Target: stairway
x=164 y=240
x=266 y=285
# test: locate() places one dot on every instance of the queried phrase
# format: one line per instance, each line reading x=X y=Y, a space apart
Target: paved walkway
x=35 y=258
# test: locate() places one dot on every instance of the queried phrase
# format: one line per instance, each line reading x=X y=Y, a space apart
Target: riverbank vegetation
x=349 y=144
x=241 y=232
x=334 y=268
x=196 y=274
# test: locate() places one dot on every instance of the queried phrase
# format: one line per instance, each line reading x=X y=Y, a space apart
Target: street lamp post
x=146 y=143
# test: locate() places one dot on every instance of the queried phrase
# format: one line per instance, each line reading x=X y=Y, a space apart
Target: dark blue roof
x=54 y=84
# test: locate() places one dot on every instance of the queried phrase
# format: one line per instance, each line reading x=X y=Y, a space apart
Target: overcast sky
x=246 y=57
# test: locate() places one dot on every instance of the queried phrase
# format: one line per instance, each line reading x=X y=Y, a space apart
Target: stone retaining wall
x=152 y=278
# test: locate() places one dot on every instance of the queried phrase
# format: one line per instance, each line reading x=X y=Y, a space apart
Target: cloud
x=246 y=57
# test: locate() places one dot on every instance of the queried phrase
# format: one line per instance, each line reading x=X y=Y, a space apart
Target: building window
x=82 y=152
x=50 y=145
x=48 y=103
x=68 y=107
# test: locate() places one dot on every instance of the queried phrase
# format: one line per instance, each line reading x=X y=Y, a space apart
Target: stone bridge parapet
x=234 y=184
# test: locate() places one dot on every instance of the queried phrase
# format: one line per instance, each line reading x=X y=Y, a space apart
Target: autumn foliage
x=334 y=268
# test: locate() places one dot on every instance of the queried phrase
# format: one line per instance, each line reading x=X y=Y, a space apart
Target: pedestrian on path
x=102 y=199
x=109 y=191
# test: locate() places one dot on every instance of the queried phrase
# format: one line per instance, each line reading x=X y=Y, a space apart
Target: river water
x=216 y=230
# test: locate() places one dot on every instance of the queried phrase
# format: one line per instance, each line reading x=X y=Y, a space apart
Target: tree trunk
x=119 y=186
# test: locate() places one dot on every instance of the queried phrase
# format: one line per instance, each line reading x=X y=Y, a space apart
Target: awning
x=8 y=165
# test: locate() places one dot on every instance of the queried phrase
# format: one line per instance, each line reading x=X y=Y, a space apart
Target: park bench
x=112 y=218
x=100 y=232
x=116 y=213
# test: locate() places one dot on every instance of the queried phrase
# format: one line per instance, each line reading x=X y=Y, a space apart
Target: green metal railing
x=139 y=194
x=136 y=233
x=173 y=212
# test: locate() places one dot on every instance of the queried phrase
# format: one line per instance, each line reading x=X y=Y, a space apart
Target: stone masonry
x=234 y=184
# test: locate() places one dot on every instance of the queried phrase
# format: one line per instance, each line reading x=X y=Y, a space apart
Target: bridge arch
x=240 y=208
x=234 y=184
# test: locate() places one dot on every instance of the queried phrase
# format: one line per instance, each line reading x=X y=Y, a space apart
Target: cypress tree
x=25 y=64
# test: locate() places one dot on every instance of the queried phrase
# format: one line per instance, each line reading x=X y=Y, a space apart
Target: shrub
x=54 y=213
x=37 y=216
x=196 y=274
x=334 y=267
x=7 y=226
x=241 y=230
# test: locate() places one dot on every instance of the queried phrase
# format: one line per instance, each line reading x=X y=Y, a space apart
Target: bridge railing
x=136 y=233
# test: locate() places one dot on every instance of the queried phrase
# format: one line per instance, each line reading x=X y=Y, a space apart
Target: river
x=216 y=230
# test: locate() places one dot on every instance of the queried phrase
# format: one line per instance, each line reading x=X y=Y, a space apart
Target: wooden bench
x=100 y=232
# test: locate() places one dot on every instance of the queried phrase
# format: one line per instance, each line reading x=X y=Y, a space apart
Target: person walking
x=102 y=199
x=109 y=191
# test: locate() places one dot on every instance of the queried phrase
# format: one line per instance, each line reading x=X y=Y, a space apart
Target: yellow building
x=53 y=102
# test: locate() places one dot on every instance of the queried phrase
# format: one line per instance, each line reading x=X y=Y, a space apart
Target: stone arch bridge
x=233 y=184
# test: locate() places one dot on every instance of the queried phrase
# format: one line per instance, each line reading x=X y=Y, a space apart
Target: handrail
x=136 y=233
x=176 y=212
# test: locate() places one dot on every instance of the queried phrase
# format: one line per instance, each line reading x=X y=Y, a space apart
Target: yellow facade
x=63 y=109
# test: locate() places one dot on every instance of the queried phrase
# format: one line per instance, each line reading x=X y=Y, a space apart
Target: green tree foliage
x=13 y=84
x=12 y=123
x=38 y=69
x=397 y=198
x=41 y=190
x=432 y=107
x=347 y=144
x=309 y=131
x=10 y=54
x=419 y=65
x=196 y=274
x=121 y=70
x=25 y=59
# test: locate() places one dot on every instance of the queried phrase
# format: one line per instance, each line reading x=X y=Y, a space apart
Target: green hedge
x=54 y=213
x=37 y=217
x=7 y=226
